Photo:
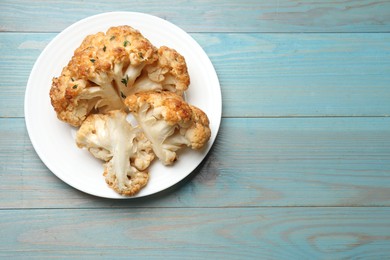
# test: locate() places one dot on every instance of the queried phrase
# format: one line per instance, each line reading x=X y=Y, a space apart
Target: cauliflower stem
x=124 y=148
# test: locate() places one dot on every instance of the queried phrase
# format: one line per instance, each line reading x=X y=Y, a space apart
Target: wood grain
x=274 y=162
x=197 y=233
x=209 y=16
x=300 y=168
x=261 y=75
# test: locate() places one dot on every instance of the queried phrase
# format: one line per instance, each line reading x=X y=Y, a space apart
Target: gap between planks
x=271 y=117
x=185 y=208
x=224 y=32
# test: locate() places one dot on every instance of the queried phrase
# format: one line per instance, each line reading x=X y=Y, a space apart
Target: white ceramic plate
x=53 y=140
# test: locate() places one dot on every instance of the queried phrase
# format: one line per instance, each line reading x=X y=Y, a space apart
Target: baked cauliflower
x=168 y=72
x=125 y=150
x=101 y=73
x=169 y=123
x=119 y=71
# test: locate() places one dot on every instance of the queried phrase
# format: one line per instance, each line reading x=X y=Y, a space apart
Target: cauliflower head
x=124 y=148
x=169 y=123
x=168 y=72
x=101 y=73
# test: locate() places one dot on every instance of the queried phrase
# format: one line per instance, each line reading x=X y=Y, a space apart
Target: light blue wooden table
x=300 y=168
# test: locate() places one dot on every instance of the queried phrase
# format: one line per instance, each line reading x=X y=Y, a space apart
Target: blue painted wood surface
x=198 y=233
x=300 y=168
x=275 y=162
x=276 y=74
x=209 y=16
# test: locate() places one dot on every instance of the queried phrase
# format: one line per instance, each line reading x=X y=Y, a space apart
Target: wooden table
x=300 y=168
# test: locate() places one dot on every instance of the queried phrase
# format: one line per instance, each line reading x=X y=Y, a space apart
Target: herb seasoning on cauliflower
x=108 y=67
x=168 y=72
x=100 y=73
x=124 y=148
x=169 y=123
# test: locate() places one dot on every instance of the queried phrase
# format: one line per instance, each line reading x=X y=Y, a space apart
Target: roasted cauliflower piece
x=101 y=73
x=118 y=71
x=124 y=148
x=168 y=72
x=169 y=123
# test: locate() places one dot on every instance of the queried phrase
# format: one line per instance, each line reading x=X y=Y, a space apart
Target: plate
x=54 y=141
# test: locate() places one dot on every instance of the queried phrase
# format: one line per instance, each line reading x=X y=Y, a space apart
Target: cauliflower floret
x=100 y=73
x=168 y=72
x=124 y=148
x=169 y=123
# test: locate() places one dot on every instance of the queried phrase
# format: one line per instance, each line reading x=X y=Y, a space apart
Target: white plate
x=53 y=140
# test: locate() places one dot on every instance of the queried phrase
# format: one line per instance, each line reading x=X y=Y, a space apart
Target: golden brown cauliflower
x=168 y=72
x=169 y=123
x=100 y=73
x=124 y=148
x=117 y=71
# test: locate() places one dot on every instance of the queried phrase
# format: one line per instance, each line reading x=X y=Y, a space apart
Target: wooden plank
x=209 y=16
x=302 y=74
x=261 y=75
x=18 y=54
x=254 y=162
x=198 y=233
